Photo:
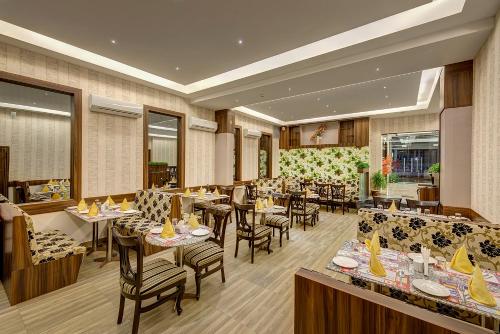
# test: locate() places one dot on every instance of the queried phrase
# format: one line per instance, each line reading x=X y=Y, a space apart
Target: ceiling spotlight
x=289 y=89
x=177 y=68
x=387 y=96
x=385 y=87
x=328 y=106
x=113 y=41
x=335 y=111
x=240 y=41
x=377 y=69
x=317 y=99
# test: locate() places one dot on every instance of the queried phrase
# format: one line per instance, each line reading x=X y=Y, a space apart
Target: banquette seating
x=35 y=263
x=154 y=207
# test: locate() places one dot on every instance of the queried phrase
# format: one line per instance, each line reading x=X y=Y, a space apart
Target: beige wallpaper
x=39 y=145
x=380 y=126
x=251 y=146
x=485 y=196
x=112 y=145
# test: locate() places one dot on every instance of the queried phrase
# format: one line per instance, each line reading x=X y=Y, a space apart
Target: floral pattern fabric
x=408 y=233
x=54 y=245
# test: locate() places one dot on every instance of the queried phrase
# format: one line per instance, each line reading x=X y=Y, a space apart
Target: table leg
x=179 y=256
x=109 y=248
x=95 y=239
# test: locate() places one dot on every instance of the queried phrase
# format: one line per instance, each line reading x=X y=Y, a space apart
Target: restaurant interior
x=226 y=167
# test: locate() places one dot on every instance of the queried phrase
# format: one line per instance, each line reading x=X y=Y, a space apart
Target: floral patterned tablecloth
x=456 y=282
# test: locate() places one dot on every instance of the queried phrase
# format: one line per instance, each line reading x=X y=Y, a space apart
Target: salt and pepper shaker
x=425 y=256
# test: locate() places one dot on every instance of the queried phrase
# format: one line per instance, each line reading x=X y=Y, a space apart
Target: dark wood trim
x=31 y=182
x=269 y=155
x=238 y=151
x=76 y=139
x=242 y=183
x=326 y=305
x=116 y=198
x=284 y=137
x=225 y=121
x=458 y=84
x=4 y=170
x=466 y=212
x=181 y=143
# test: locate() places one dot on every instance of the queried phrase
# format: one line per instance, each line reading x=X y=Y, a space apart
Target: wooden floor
x=256 y=298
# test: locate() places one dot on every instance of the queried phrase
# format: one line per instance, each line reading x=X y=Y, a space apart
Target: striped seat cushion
x=156 y=275
x=310 y=209
x=203 y=253
x=260 y=231
x=277 y=221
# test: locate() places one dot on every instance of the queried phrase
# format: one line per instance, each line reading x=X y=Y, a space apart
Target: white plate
x=345 y=262
x=71 y=207
x=84 y=211
x=156 y=230
x=431 y=288
x=417 y=257
x=199 y=232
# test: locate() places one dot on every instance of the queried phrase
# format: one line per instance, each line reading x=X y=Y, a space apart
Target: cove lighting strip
x=162 y=128
x=34 y=109
x=162 y=136
x=411 y=18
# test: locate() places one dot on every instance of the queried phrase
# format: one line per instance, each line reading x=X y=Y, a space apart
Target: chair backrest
x=380 y=200
x=241 y=212
x=125 y=244
x=431 y=205
x=283 y=200
x=305 y=184
x=155 y=205
x=251 y=192
x=387 y=202
x=298 y=201
x=227 y=190
x=220 y=222
x=322 y=189
x=338 y=192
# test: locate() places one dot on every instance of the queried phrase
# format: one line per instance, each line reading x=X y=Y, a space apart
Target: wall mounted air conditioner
x=114 y=107
x=250 y=133
x=202 y=124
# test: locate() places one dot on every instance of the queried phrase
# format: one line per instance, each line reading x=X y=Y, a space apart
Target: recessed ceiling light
x=318 y=99
x=377 y=69
x=328 y=106
x=113 y=41
x=289 y=89
x=387 y=96
x=240 y=41
x=335 y=111
x=177 y=68
x=385 y=87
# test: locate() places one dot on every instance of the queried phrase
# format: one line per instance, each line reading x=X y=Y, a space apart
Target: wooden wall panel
x=346 y=133
x=284 y=138
x=458 y=84
x=4 y=170
x=225 y=120
x=294 y=136
x=326 y=305
x=361 y=132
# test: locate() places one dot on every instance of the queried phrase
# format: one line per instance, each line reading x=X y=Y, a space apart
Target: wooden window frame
x=269 y=155
x=238 y=155
x=181 y=143
x=76 y=141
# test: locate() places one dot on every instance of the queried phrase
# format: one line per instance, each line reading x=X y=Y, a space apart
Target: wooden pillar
x=456 y=136
x=224 y=147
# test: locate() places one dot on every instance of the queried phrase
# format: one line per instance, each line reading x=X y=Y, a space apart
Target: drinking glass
x=380 y=207
x=403 y=266
x=427 y=212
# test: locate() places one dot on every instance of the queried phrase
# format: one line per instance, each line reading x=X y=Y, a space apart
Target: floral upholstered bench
x=39 y=262
x=154 y=207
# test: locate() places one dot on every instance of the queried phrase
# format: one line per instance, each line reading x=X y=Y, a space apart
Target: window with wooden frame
x=164 y=148
x=41 y=135
x=265 y=157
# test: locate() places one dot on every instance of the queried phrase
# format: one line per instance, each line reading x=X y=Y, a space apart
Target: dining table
x=196 y=198
x=403 y=281
x=106 y=216
x=183 y=237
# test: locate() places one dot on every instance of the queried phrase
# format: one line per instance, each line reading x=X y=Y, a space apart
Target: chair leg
x=180 y=295
x=281 y=235
x=120 y=310
x=236 y=250
x=288 y=234
x=269 y=245
x=137 y=316
x=197 y=278
x=223 y=276
x=253 y=248
x=305 y=219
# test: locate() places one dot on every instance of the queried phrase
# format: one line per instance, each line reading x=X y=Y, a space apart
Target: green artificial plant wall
x=332 y=163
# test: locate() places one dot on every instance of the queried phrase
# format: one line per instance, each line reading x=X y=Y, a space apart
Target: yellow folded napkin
x=216 y=192
x=478 y=289
x=51 y=182
x=82 y=205
x=376 y=267
x=124 y=206
x=45 y=189
x=258 y=204
x=308 y=192
x=201 y=193
x=193 y=221
x=56 y=196
x=374 y=243
x=270 y=202
x=393 y=208
x=460 y=261
x=187 y=193
x=168 y=230
x=153 y=187
x=93 y=211
x=109 y=201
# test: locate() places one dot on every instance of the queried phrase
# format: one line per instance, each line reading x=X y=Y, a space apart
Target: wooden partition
x=326 y=305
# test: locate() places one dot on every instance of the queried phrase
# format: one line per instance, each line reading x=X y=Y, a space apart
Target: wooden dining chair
x=322 y=189
x=338 y=197
x=202 y=206
x=280 y=221
x=256 y=234
x=146 y=280
x=433 y=206
x=387 y=202
x=301 y=210
x=251 y=193
x=202 y=255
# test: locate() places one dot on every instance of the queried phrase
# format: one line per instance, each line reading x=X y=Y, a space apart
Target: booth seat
x=35 y=263
x=276 y=183
x=154 y=207
x=408 y=233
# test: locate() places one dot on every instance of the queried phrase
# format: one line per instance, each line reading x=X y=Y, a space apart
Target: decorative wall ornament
x=316 y=136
